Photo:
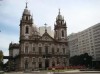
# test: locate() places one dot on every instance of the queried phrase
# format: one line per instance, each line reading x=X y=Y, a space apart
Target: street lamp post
x=85 y=61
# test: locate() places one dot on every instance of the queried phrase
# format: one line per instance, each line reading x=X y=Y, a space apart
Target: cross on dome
x=45 y=27
x=26 y=11
x=26 y=4
x=59 y=11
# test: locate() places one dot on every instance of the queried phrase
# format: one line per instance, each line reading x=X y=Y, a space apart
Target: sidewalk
x=90 y=71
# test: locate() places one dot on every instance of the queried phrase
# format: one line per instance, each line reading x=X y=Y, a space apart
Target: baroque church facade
x=40 y=52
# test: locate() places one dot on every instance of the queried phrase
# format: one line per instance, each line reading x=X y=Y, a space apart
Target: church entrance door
x=40 y=65
x=53 y=64
x=46 y=63
x=26 y=65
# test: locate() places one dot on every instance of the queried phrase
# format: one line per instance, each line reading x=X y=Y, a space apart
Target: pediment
x=46 y=37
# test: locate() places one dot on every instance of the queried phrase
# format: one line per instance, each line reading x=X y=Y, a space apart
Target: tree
x=1 y=56
x=83 y=59
x=1 y=59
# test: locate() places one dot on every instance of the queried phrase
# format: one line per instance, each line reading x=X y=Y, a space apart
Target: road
x=49 y=73
x=54 y=73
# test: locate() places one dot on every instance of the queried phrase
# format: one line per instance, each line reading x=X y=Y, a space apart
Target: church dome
x=26 y=11
x=59 y=17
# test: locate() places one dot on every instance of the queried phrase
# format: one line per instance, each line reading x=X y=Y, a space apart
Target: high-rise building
x=86 y=41
x=73 y=44
x=40 y=51
x=96 y=41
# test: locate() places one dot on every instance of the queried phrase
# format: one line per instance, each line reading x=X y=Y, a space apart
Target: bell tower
x=26 y=24
x=60 y=29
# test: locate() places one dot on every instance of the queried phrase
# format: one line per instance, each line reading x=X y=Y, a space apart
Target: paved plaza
x=68 y=72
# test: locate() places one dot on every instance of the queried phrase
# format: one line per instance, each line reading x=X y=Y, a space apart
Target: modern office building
x=86 y=41
x=96 y=41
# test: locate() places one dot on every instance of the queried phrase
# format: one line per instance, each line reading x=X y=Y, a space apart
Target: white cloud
x=6 y=39
x=78 y=14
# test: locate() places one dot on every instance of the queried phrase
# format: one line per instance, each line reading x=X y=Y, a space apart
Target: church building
x=40 y=52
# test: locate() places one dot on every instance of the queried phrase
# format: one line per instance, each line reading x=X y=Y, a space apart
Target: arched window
x=26 y=64
x=40 y=50
x=63 y=50
x=64 y=59
x=27 y=30
x=26 y=49
x=40 y=59
x=33 y=59
x=26 y=17
x=62 y=33
x=57 y=49
x=57 y=60
x=33 y=49
x=53 y=63
x=46 y=49
x=53 y=51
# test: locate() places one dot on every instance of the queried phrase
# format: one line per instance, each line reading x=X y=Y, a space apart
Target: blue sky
x=79 y=15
